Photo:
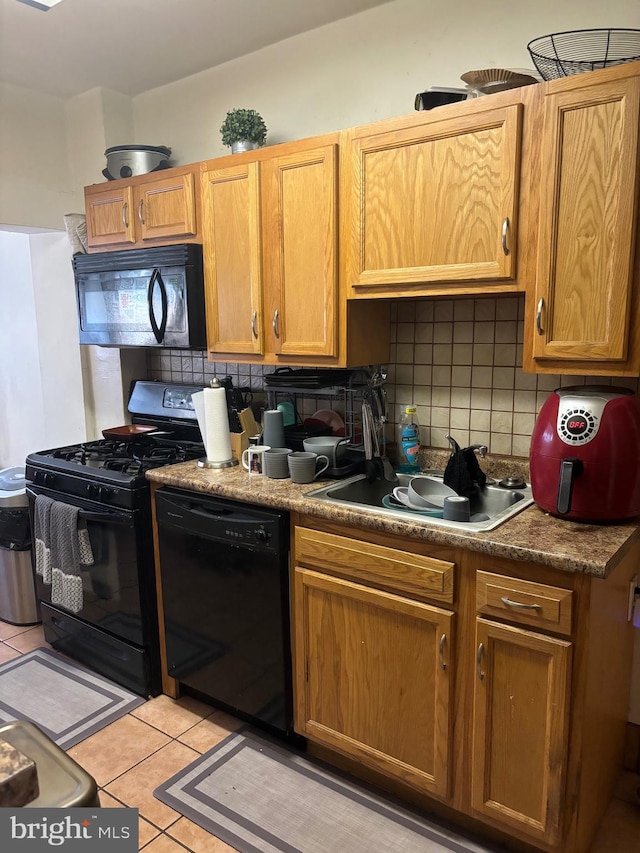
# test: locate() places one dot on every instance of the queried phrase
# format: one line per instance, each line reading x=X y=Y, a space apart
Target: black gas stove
x=107 y=470
x=115 y=630
x=112 y=471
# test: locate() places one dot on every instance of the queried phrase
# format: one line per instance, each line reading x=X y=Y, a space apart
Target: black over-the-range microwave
x=142 y=297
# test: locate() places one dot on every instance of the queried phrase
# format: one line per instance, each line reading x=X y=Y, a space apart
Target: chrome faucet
x=481 y=449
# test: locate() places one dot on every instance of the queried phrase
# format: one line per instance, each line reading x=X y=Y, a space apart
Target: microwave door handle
x=158 y=331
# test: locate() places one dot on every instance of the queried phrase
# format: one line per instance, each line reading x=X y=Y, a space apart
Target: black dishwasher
x=225 y=590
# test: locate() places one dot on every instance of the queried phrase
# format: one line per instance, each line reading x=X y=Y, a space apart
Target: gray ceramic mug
x=303 y=466
x=275 y=462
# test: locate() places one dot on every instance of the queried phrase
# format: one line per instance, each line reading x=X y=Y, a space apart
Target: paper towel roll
x=211 y=410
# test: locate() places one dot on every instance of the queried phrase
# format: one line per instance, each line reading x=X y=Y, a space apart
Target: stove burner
x=131 y=457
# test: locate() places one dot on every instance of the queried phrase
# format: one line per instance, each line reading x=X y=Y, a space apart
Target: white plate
x=330 y=418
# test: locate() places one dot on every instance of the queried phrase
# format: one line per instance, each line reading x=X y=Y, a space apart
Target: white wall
x=40 y=378
x=360 y=69
x=35 y=182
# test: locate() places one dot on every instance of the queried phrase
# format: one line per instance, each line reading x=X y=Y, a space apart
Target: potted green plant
x=243 y=130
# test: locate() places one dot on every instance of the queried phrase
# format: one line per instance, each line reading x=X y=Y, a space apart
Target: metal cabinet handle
x=125 y=211
x=479 y=655
x=254 y=328
x=505 y=231
x=140 y=216
x=510 y=603
x=441 y=648
x=539 y=316
x=276 y=330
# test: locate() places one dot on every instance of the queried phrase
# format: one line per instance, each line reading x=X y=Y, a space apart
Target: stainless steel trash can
x=18 y=602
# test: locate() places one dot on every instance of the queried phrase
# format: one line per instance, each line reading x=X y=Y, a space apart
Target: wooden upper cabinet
x=300 y=236
x=520 y=724
x=584 y=316
x=270 y=253
x=435 y=203
x=232 y=259
x=110 y=216
x=166 y=208
x=148 y=210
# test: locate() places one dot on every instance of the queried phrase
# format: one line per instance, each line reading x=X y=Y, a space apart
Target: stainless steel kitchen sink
x=490 y=506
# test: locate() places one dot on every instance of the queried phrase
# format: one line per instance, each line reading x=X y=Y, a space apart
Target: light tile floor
x=132 y=756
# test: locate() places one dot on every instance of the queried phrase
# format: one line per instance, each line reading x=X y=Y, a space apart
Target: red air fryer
x=585 y=454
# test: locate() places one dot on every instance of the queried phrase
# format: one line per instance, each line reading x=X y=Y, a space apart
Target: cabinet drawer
x=401 y=571
x=524 y=602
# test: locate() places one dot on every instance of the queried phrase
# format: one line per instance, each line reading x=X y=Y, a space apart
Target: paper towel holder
x=228 y=463
x=206 y=463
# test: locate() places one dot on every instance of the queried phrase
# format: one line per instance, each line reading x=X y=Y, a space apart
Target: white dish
x=330 y=418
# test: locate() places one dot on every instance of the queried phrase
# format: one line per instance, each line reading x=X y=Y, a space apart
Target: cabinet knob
x=539 y=309
x=505 y=231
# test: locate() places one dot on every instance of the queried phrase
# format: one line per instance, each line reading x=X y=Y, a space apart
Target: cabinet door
x=110 y=216
x=436 y=203
x=300 y=251
x=587 y=222
x=232 y=262
x=166 y=208
x=521 y=707
x=373 y=677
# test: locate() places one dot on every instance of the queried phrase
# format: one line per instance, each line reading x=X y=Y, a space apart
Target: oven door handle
x=110 y=517
x=158 y=331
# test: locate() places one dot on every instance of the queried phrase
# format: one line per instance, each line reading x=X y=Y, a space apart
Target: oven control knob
x=99 y=493
x=45 y=478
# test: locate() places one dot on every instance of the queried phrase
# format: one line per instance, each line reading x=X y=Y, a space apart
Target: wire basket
x=561 y=54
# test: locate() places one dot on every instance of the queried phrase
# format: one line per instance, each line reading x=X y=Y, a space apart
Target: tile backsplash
x=456 y=360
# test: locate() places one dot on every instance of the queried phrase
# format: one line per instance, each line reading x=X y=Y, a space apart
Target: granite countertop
x=531 y=535
x=18 y=777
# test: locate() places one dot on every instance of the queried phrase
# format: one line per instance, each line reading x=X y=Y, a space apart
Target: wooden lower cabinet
x=488 y=691
x=520 y=716
x=375 y=677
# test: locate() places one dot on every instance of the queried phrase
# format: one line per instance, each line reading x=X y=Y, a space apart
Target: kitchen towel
x=70 y=549
x=42 y=536
x=211 y=410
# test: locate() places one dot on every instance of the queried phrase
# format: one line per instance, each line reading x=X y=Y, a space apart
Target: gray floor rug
x=262 y=797
x=66 y=701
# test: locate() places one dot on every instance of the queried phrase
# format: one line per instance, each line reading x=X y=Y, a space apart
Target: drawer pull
x=519 y=604
x=441 y=648
x=125 y=218
x=140 y=213
x=254 y=330
x=479 y=657
x=274 y=323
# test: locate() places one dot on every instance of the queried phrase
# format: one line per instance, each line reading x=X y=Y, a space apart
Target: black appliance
x=116 y=631
x=225 y=592
x=142 y=297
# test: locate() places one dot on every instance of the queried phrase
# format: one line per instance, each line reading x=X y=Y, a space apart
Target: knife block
x=239 y=442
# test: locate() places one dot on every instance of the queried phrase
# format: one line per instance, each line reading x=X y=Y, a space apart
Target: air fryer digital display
x=577 y=426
